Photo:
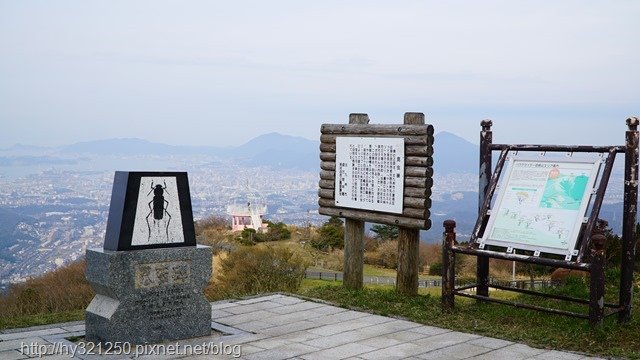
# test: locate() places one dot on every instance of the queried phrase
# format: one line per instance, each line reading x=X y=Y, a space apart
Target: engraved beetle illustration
x=158 y=208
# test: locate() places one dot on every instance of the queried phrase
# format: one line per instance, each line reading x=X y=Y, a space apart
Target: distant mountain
x=282 y=152
x=453 y=154
x=273 y=149
x=275 y=142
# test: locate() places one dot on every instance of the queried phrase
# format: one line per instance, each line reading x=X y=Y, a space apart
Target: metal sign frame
x=576 y=220
x=591 y=254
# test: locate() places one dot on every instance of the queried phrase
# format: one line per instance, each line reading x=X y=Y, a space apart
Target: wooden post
x=448 y=265
x=354 y=237
x=486 y=138
x=408 y=240
x=596 y=287
x=629 y=219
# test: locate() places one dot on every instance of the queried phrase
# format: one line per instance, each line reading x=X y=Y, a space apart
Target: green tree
x=330 y=235
x=277 y=231
x=248 y=236
x=385 y=232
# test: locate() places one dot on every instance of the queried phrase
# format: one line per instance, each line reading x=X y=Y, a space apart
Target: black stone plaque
x=149 y=210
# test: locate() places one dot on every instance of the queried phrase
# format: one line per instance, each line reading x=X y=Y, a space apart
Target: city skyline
x=216 y=73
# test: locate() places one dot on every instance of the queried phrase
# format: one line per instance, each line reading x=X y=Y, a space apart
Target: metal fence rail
x=388 y=280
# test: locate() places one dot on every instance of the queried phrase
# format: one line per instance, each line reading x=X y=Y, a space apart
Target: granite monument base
x=148 y=296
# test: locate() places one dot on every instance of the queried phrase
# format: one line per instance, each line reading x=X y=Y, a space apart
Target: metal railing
x=426 y=283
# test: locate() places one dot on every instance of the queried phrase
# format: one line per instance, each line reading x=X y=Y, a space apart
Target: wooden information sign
x=380 y=174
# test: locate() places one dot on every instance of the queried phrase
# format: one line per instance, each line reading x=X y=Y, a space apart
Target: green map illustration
x=564 y=191
x=541 y=205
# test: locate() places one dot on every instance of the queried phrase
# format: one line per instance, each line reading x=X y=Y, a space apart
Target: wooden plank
x=326 y=165
x=422 y=140
x=411 y=150
x=326 y=193
x=409 y=181
x=411 y=171
x=418 y=150
x=417 y=192
x=416 y=202
x=327 y=184
x=354 y=236
x=358 y=118
x=326 y=202
x=406 y=211
x=409 y=192
x=425 y=182
x=328 y=156
x=408 y=250
x=418 y=161
x=409 y=161
x=376 y=217
x=416 y=213
x=353 y=254
x=328 y=147
x=418 y=171
x=376 y=129
x=327 y=175
x=408 y=238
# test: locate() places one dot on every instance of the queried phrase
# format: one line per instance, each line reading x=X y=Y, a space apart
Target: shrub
x=248 y=237
x=214 y=231
x=212 y=222
x=370 y=243
x=386 y=255
x=335 y=261
x=64 y=289
x=436 y=269
x=253 y=270
x=276 y=231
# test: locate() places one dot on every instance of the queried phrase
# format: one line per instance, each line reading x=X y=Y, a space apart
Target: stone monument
x=150 y=276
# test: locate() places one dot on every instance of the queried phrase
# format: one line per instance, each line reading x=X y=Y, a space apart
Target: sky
x=222 y=72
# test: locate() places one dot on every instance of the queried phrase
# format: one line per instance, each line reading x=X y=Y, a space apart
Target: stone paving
x=282 y=327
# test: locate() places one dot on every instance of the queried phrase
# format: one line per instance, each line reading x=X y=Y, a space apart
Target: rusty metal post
x=596 y=287
x=486 y=138
x=354 y=237
x=448 y=265
x=629 y=219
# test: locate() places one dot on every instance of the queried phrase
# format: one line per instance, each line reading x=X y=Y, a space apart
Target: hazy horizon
x=221 y=73
x=196 y=145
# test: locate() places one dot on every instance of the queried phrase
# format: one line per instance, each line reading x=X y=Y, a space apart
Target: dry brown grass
x=61 y=290
x=251 y=270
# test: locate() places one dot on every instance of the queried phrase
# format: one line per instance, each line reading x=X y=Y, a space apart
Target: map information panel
x=370 y=173
x=541 y=205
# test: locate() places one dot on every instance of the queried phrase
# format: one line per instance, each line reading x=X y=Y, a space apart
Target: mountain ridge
x=452 y=153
